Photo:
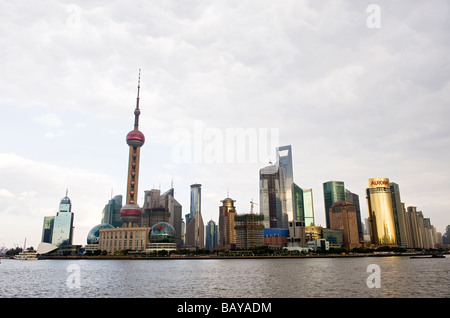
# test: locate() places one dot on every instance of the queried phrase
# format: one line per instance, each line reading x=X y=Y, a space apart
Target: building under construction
x=249 y=230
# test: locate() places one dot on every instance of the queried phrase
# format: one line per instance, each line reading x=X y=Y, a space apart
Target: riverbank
x=214 y=257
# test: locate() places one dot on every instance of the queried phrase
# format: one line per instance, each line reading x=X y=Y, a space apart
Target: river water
x=372 y=277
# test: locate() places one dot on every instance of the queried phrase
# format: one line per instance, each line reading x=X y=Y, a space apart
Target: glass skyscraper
x=333 y=191
x=277 y=193
x=63 y=224
x=308 y=207
x=381 y=215
x=111 y=212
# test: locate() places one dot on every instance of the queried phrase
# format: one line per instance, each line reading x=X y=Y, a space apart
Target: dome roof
x=94 y=233
x=162 y=232
x=65 y=200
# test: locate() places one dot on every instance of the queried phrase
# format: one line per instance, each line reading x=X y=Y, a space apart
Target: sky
x=359 y=89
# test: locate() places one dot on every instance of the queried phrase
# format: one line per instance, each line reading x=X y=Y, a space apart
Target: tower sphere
x=135 y=138
x=130 y=213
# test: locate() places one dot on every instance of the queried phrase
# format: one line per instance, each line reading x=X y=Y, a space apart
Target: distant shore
x=212 y=257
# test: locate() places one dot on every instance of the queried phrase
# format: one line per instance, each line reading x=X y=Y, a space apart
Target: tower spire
x=137 y=111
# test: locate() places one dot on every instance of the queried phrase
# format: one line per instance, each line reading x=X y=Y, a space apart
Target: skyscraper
x=227 y=232
x=195 y=229
x=111 y=212
x=354 y=198
x=343 y=217
x=399 y=215
x=130 y=214
x=47 y=229
x=211 y=235
x=308 y=207
x=63 y=224
x=381 y=215
x=333 y=191
x=276 y=190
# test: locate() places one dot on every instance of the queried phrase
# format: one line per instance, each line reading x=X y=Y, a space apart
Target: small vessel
x=27 y=256
x=429 y=256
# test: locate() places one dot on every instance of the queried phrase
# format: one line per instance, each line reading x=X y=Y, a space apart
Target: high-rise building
x=333 y=191
x=381 y=214
x=308 y=207
x=155 y=208
x=211 y=235
x=354 y=198
x=175 y=215
x=63 y=224
x=195 y=229
x=47 y=229
x=277 y=197
x=111 y=212
x=227 y=232
x=399 y=215
x=130 y=214
x=343 y=216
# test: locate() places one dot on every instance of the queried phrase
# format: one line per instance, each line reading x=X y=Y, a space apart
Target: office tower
x=175 y=215
x=111 y=212
x=227 y=232
x=249 y=230
x=195 y=229
x=155 y=208
x=130 y=214
x=399 y=215
x=299 y=210
x=211 y=235
x=343 y=216
x=276 y=189
x=333 y=191
x=381 y=215
x=354 y=198
x=47 y=229
x=63 y=224
x=308 y=207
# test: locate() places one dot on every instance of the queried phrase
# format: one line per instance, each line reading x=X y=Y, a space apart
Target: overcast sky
x=360 y=91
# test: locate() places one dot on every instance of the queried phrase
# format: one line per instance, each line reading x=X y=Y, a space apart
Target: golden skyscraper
x=381 y=215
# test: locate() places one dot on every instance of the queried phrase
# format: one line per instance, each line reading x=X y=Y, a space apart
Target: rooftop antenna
x=137 y=111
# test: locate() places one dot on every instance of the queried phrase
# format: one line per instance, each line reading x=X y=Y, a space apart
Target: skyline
x=354 y=102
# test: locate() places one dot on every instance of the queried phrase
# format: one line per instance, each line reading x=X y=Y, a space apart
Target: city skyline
x=354 y=102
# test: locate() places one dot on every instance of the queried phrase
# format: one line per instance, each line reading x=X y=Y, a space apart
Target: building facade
x=343 y=217
x=227 y=232
x=381 y=214
x=249 y=231
x=62 y=234
x=333 y=191
x=211 y=237
x=195 y=229
x=111 y=212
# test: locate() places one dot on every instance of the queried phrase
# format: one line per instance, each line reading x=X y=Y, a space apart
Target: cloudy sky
x=360 y=91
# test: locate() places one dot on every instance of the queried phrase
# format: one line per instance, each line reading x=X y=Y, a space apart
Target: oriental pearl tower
x=130 y=214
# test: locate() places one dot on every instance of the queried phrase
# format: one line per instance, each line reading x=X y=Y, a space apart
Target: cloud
x=49 y=120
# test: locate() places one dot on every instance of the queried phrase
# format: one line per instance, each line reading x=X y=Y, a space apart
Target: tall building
x=111 y=212
x=47 y=229
x=211 y=235
x=277 y=195
x=195 y=229
x=354 y=198
x=343 y=216
x=155 y=208
x=175 y=216
x=381 y=214
x=227 y=232
x=333 y=191
x=63 y=224
x=308 y=207
x=130 y=214
x=399 y=215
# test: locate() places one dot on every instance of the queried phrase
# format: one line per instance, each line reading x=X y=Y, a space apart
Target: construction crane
x=251 y=205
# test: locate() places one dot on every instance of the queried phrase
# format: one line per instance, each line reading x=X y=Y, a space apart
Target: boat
x=428 y=256
x=27 y=256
